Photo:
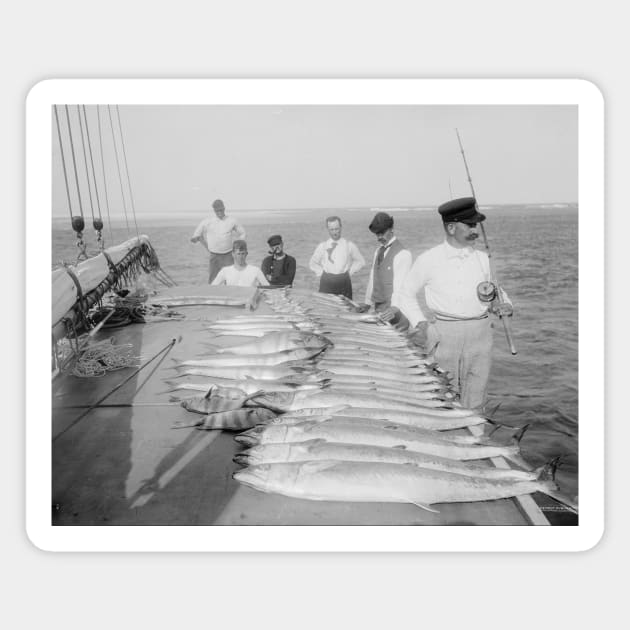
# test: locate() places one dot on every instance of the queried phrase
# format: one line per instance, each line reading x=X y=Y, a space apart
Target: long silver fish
x=382 y=361
x=420 y=432
x=276 y=358
x=260 y=372
x=274 y=453
x=329 y=480
x=421 y=419
x=357 y=433
x=425 y=418
x=277 y=342
x=391 y=367
x=248 y=386
x=367 y=372
x=287 y=401
x=328 y=398
x=385 y=390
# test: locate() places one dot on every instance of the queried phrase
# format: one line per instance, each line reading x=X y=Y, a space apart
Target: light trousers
x=464 y=350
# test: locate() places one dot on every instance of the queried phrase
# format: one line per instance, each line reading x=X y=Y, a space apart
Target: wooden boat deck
x=123 y=464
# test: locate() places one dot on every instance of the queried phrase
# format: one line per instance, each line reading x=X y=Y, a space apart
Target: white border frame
x=39 y=130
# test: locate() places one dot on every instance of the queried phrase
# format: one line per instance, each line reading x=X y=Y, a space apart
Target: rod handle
x=508 y=333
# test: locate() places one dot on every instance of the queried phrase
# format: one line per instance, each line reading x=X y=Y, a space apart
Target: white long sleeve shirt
x=401 y=263
x=449 y=277
x=336 y=257
x=218 y=234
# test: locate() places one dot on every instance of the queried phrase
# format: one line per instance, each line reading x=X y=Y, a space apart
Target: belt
x=443 y=317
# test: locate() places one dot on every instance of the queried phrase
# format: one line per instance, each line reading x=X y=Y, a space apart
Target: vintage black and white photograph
x=344 y=312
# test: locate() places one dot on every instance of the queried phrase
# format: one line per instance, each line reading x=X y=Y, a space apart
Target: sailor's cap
x=463 y=210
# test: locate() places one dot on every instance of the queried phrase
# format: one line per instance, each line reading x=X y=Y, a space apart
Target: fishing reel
x=486 y=291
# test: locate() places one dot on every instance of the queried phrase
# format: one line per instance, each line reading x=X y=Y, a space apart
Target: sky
x=182 y=157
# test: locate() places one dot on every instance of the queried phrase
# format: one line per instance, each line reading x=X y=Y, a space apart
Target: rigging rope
x=96 y=222
x=87 y=172
x=74 y=161
x=122 y=142
x=109 y=111
x=100 y=140
x=78 y=222
x=63 y=162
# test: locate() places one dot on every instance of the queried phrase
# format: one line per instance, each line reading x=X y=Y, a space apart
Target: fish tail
x=489 y=414
x=547 y=478
x=518 y=436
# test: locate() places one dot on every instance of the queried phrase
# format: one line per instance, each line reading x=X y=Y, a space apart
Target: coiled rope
x=103 y=357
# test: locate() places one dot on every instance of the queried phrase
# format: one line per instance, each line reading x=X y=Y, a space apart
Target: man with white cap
x=216 y=234
x=454 y=277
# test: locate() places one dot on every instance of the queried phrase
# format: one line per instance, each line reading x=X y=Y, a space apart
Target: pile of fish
x=336 y=405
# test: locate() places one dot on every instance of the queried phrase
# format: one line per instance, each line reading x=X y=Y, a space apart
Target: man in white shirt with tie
x=335 y=261
x=390 y=266
x=216 y=234
x=457 y=317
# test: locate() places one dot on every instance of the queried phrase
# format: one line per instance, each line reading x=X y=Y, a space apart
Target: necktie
x=331 y=249
x=381 y=254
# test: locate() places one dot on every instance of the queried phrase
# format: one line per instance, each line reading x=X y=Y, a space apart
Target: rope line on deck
x=164 y=351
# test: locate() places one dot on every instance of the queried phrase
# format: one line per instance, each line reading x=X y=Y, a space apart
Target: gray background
x=319 y=39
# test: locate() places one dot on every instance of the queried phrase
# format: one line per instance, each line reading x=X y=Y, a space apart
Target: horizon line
x=391 y=208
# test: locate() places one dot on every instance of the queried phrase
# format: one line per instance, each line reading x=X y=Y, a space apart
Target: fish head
x=262 y=434
x=267 y=453
x=254 y=476
x=251 y=437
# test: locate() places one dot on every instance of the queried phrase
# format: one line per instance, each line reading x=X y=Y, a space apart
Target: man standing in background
x=278 y=267
x=335 y=261
x=217 y=233
x=389 y=268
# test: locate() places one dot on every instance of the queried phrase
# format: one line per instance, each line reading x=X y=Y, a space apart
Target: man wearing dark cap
x=216 y=234
x=455 y=322
x=390 y=266
x=278 y=267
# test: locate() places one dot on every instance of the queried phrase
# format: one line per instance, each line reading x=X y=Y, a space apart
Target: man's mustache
x=472 y=237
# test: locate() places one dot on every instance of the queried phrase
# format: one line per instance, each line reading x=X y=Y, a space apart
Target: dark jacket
x=279 y=273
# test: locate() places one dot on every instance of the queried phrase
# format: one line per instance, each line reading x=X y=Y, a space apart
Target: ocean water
x=535 y=253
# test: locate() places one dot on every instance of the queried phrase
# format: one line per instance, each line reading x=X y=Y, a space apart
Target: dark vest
x=383 y=283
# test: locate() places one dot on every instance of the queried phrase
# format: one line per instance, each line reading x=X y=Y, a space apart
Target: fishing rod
x=494 y=293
